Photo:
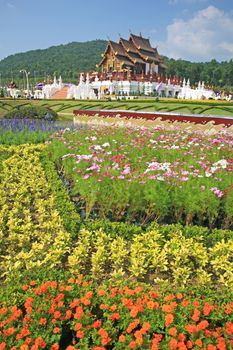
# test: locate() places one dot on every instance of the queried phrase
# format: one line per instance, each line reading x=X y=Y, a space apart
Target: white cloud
x=207 y=35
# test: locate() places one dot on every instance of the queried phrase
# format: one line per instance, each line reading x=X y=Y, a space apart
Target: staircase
x=61 y=94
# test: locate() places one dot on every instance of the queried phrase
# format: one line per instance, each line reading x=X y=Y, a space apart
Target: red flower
x=203 y=325
x=57 y=314
x=191 y=328
x=169 y=318
x=229 y=328
x=196 y=315
x=32 y=283
x=68 y=314
x=198 y=342
x=115 y=316
x=97 y=324
x=211 y=347
x=134 y=311
x=9 y=331
x=228 y=309
x=56 y=330
x=122 y=338
x=79 y=312
x=78 y=326
x=101 y=292
x=103 y=306
x=132 y=345
x=173 y=331
x=80 y=334
x=207 y=308
x=24 y=287
x=173 y=344
x=43 y=321
x=74 y=303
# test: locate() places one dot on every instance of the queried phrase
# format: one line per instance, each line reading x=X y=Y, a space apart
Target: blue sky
x=196 y=30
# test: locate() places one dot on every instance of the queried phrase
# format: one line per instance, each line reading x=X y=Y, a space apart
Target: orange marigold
x=132 y=345
x=173 y=344
x=229 y=328
x=79 y=312
x=211 y=347
x=78 y=326
x=203 y=325
x=198 y=342
x=56 y=330
x=207 y=308
x=43 y=321
x=80 y=334
x=9 y=331
x=169 y=318
x=173 y=331
x=97 y=324
x=101 y=292
x=189 y=344
x=146 y=326
x=196 y=315
x=191 y=328
x=122 y=338
x=115 y=316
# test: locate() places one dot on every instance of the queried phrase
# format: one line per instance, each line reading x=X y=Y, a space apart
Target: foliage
x=65 y=60
x=78 y=314
x=31 y=230
x=214 y=73
x=115 y=229
x=149 y=256
x=32 y=112
x=162 y=105
x=69 y=59
x=170 y=174
x=66 y=208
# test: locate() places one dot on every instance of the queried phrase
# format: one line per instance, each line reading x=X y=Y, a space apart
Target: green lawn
x=163 y=105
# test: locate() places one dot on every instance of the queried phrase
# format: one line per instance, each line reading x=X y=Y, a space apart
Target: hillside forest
x=70 y=59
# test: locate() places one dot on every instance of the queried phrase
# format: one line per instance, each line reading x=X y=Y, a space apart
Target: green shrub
x=66 y=208
x=32 y=112
x=114 y=229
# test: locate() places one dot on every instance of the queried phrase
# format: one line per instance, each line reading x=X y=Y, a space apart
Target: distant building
x=135 y=55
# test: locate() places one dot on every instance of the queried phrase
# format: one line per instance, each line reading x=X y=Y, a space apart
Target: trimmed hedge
x=32 y=112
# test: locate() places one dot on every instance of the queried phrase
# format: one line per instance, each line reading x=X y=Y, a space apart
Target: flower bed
x=31 y=231
x=172 y=173
x=77 y=314
x=150 y=257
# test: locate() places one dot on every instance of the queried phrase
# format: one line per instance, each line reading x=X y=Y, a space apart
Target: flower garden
x=116 y=237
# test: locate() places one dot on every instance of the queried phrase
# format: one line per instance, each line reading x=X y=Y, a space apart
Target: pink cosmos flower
x=217 y=192
x=126 y=170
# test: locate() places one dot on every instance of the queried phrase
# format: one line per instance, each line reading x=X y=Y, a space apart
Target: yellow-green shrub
x=31 y=231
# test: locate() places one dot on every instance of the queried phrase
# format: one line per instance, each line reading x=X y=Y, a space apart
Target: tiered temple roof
x=129 y=53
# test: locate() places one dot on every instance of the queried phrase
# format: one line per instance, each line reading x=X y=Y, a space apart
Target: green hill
x=65 y=60
x=69 y=59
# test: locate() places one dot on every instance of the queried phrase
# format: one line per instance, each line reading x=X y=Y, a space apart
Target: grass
x=163 y=105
